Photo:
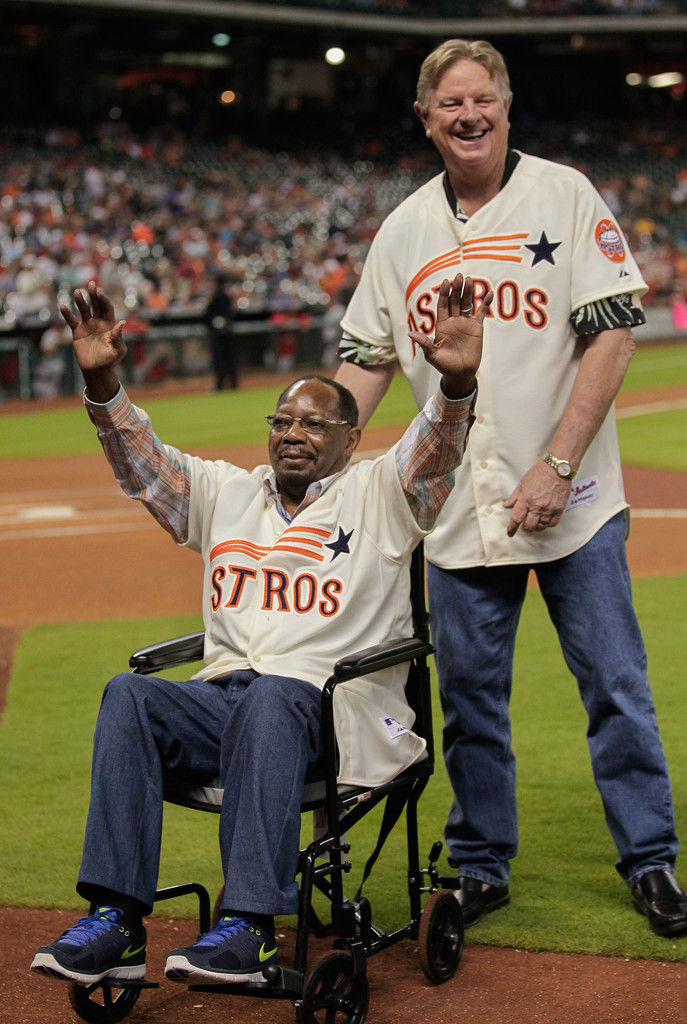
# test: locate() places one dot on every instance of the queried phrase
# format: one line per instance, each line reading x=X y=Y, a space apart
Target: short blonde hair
x=449 y=53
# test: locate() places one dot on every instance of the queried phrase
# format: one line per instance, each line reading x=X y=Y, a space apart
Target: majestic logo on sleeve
x=282 y=589
x=609 y=240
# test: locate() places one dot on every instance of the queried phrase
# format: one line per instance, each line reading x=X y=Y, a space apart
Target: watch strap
x=556 y=463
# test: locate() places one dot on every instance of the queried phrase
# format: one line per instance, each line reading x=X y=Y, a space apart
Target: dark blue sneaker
x=96 y=947
x=233 y=951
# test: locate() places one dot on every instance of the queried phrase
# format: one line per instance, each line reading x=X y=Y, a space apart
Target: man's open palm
x=456 y=349
x=98 y=342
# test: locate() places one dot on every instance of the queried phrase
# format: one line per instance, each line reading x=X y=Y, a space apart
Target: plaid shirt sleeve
x=429 y=451
x=156 y=474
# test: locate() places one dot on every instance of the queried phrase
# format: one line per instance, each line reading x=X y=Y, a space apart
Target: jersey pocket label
x=584 y=491
x=394 y=729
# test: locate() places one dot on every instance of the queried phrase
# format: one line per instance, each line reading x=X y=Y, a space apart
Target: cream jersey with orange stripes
x=548 y=246
x=292 y=597
x=288 y=598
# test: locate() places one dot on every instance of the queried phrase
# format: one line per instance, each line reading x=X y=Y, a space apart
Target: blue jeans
x=258 y=733
x=475 y=615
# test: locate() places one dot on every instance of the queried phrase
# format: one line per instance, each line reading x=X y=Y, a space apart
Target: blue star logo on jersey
x=340 y=545
x=543 y=250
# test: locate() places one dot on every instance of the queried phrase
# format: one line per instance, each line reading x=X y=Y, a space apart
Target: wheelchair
x=335 y=988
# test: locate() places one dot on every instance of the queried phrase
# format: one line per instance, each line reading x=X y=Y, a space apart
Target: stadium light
x=665 y=79
x=335 y=55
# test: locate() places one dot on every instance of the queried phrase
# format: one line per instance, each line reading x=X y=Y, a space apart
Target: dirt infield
x=492 y=986
x=65 y=526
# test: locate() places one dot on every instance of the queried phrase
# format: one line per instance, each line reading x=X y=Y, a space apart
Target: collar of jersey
x=314 y=491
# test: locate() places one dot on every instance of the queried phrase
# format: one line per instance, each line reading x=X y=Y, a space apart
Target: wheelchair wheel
x=102 y=1004
x=441 y=937
x=333 y=995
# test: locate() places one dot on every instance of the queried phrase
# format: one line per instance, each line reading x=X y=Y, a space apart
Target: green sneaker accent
x=234 y=951
x=132 y=952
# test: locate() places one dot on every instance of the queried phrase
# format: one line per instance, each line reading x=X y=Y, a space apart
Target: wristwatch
x=562 y=466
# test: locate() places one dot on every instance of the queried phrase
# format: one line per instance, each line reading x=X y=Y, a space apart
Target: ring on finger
x=468 y=311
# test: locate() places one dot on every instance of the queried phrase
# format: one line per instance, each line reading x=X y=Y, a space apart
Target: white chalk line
x=19 y=509
x=84 y=526
x=646 y=409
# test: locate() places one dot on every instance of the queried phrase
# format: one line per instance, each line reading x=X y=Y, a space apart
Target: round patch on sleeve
x=610 y=241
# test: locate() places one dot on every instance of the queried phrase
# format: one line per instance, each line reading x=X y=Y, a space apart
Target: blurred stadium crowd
x=156 y=217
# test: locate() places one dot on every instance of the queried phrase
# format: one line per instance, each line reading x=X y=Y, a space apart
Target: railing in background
x=183 y=350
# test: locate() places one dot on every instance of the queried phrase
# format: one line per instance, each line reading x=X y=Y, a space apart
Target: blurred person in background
x=50 y=377
x=219 y=317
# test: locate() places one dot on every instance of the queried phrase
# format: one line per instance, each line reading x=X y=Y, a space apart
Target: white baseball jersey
x=547 y=245
x=291 y=598
x=282 y=598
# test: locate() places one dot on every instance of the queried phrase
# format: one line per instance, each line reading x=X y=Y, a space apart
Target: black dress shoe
x=658 y=896
x=476 y=902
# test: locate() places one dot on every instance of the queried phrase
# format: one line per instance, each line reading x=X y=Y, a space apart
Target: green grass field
x=198 y=420
x=567 y=896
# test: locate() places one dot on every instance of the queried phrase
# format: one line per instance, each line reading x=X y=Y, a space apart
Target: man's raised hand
x=456 y=348
x=98 y=342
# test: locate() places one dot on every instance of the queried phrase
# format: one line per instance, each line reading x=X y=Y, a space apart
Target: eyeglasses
x=281 y=423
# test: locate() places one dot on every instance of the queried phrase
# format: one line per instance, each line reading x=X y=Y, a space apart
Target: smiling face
x=467 y=119
x=299 y=458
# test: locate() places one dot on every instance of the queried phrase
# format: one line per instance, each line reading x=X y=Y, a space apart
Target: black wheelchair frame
x=336 y=988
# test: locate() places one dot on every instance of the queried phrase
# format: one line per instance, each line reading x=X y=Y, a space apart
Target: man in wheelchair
x=305 y=560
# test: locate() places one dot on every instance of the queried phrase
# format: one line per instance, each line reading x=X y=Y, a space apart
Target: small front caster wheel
x=102 y=1003
x=441 y=936
x=333 y=994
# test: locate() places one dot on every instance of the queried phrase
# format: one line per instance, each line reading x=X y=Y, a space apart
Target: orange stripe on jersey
x=489 y=254
x=469 y=250
x=244 y=546
x=494 y=247
x=495 y=238
x=280 y=546
x=297 y=535
x=292 y=535
x=298 y=540
x=489 y=247
x=438 y=263
x=308 y=529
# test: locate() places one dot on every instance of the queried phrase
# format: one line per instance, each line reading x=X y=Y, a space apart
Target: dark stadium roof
x=77 y=60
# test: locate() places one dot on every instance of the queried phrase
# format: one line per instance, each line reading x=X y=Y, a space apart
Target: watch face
x=564 y=468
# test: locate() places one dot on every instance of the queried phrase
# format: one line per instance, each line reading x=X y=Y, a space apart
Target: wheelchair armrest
x=372 y=659
x=168 y=653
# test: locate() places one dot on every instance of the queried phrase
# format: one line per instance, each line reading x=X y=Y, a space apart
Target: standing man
x=219 y=317
x=541 y=485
